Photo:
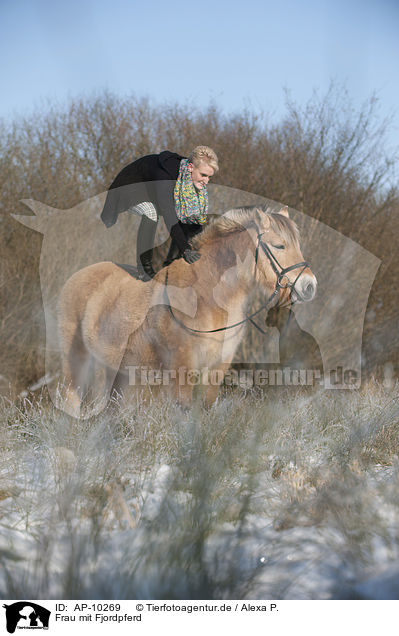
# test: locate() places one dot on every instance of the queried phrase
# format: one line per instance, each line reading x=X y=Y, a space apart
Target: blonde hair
x=204 y=154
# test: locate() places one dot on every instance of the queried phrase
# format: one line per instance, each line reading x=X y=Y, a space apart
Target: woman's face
x=200 y=174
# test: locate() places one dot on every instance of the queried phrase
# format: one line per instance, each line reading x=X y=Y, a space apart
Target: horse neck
x=233 y=268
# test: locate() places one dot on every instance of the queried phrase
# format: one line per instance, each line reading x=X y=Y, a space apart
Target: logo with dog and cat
x=26 y=615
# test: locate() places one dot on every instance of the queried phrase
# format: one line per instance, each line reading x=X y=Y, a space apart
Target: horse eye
x=279 y=247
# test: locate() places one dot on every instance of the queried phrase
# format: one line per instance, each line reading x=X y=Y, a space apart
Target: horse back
x=100 y=306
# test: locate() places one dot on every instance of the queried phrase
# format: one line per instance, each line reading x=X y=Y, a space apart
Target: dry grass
x=273 y=496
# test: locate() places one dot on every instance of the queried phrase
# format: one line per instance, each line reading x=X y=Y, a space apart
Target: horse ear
x=263 y=219
x=284 y=211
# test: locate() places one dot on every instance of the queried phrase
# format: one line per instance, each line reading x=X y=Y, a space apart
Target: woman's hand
x=190 y=256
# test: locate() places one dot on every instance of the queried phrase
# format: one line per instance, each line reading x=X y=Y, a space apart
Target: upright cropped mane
x=240 y=219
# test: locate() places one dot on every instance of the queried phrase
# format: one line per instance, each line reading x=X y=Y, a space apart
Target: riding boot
x=173 y=254
x=144 y=266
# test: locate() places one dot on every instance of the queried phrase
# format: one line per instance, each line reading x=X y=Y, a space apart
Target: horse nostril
x=308 y=290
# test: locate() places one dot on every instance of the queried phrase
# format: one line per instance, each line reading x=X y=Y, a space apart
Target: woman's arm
x=165 y=205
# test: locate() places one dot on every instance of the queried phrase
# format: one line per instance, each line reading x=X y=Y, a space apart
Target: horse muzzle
x=305 y=288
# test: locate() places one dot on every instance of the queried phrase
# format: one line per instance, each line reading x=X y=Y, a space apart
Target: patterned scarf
x=191 y=204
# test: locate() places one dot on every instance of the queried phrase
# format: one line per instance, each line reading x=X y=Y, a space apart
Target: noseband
x=280 y=272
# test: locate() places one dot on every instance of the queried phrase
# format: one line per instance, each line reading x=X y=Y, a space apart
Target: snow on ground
x=87 y=520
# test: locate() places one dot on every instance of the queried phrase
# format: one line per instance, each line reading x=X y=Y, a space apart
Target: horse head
x=279 y=262
x=259 y=246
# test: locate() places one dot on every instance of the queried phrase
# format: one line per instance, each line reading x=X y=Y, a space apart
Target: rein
x=279 y=285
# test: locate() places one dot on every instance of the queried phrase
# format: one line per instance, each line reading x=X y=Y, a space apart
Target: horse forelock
x=286 y=228
x=239 y=219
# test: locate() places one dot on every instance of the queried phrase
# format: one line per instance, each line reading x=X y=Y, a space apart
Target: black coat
x=150 y=178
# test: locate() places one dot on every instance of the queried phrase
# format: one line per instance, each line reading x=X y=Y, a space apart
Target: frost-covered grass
x=281 y=495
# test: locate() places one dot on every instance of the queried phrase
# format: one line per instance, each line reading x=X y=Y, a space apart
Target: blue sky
x=235 y=53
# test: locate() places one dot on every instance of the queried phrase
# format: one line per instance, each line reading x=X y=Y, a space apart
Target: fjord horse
x=188 y=319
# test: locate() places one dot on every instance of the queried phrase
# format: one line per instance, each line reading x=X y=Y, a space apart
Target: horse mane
x=239 y=219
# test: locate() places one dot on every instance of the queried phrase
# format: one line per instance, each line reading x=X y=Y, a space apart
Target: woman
x=166 y=185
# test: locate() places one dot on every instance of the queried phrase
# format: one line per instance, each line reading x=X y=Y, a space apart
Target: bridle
x=281 y=273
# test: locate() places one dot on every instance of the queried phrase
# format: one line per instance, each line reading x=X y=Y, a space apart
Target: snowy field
x=280 y=496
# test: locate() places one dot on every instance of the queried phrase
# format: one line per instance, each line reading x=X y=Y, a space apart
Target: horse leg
x=215 y=380
x=183 y=393
x=99 y=382
x=180 y=385
x=119 y=383
x=75 y=367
